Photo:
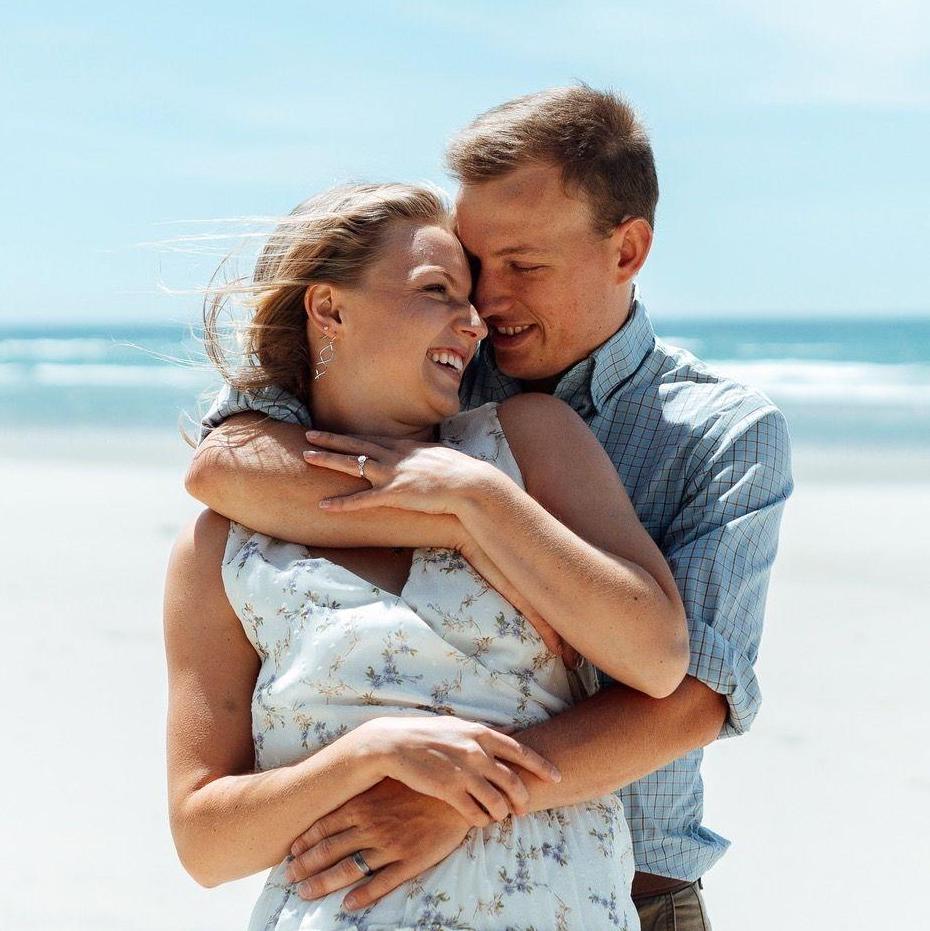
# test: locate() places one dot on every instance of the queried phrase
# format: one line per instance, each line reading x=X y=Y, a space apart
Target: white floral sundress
x=337 y=651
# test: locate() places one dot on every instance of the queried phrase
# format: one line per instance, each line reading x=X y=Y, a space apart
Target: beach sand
x=826 y=800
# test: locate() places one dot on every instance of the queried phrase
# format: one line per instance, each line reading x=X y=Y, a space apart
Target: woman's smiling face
x=402 y=336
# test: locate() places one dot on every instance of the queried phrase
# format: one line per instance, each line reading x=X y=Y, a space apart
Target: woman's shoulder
x=197 y=556
x=550 y=442
x=538 y=409
x=520 y=433
x=202 y=539
x=534 y=422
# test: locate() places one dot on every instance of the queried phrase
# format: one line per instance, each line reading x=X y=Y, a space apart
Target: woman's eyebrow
x=434 y=269
x=429 y=269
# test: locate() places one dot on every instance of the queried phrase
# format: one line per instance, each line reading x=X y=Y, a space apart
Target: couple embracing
x=492 y=560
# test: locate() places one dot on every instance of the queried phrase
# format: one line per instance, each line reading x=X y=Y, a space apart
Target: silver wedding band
x=361 y=465
x=359 y=861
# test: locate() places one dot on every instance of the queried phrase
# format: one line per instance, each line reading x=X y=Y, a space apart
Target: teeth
x=512 y=330
x=448 y=358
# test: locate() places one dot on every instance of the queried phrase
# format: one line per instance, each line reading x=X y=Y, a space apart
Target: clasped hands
x=441 y=776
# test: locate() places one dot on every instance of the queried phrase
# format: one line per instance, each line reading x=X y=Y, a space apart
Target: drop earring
x=327 y=354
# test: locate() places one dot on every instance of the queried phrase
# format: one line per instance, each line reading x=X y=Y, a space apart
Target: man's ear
x=320 y=306
x=631 y=240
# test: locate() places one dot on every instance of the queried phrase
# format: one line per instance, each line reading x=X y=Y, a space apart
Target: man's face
x=546 y=282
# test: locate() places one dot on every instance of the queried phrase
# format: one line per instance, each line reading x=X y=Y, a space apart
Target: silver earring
x=327 y=354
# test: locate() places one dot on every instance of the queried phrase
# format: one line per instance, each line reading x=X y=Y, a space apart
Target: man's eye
x=437 y=288
x=518 y=267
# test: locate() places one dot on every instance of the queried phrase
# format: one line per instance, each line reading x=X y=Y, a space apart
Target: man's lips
x=514 y=329
x=506 y=337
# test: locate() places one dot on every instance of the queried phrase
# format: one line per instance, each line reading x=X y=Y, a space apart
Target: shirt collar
x=619 y=359
x=588 y=383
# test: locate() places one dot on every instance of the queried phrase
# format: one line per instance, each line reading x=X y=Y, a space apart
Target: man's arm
x=618 y=736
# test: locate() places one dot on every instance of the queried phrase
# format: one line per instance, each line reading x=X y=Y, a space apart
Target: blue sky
x=793 y=144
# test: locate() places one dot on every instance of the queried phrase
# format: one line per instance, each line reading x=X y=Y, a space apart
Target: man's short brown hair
x=594 y=137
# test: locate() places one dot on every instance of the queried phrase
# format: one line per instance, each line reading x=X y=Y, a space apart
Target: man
x=556 y=210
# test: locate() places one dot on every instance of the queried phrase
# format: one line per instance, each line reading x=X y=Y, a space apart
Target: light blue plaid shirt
x=706 y=462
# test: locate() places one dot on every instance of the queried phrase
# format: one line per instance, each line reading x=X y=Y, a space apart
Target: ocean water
x=850 y=382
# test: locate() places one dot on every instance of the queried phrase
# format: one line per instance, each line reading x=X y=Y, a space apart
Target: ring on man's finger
x=359 y=861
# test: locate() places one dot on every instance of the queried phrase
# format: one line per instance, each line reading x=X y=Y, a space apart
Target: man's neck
x=551 y=382
x=543 y=385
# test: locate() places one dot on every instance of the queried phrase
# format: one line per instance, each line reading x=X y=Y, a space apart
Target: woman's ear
x=320 y=305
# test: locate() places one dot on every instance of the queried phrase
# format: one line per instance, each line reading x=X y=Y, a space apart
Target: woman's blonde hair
x=332 y=237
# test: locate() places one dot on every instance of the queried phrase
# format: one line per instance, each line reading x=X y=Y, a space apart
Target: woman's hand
x=426 y=477
x=460 y=762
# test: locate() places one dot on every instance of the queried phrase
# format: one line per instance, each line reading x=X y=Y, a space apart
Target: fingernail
x=325 y=503
x=556 y=775
x=308 y=453
x=349 y=903
x=305 y=891
x=311 y=433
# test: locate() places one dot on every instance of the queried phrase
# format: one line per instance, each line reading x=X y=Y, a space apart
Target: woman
x=301 y=677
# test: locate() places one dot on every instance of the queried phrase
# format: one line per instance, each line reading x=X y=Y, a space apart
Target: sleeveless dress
x=337 y=651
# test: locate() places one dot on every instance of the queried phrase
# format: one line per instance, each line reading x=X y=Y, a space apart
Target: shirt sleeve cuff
x=721 y=668
x=272 y=402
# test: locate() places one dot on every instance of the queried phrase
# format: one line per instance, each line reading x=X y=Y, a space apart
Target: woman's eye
x=517 y=267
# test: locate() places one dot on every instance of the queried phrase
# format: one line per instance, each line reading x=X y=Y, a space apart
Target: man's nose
x=489 y=294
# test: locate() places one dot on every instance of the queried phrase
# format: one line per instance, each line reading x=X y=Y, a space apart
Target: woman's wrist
x=483 y=492
x=363 y=755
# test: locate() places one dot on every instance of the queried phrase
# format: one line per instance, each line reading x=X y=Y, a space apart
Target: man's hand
x=400 y=833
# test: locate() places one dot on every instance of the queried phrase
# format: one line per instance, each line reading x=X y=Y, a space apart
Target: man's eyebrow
x=516 y=250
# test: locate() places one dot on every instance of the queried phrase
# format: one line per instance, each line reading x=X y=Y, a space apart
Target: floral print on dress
x=337 y=651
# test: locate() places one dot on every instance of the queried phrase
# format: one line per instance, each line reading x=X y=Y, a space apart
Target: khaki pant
x=675 y=911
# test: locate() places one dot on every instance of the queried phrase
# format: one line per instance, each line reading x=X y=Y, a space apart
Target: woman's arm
x=574 y=547
x=229 y=821
x=251 y=469
x=578 y=556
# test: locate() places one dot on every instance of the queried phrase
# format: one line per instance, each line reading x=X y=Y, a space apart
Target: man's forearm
x=618 y=736
x=251 y=470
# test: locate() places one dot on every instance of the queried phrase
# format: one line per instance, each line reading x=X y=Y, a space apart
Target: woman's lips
x=452 y=364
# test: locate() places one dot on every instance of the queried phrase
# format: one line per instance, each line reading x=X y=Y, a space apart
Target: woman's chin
x=445 y=402
x=448 y=409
